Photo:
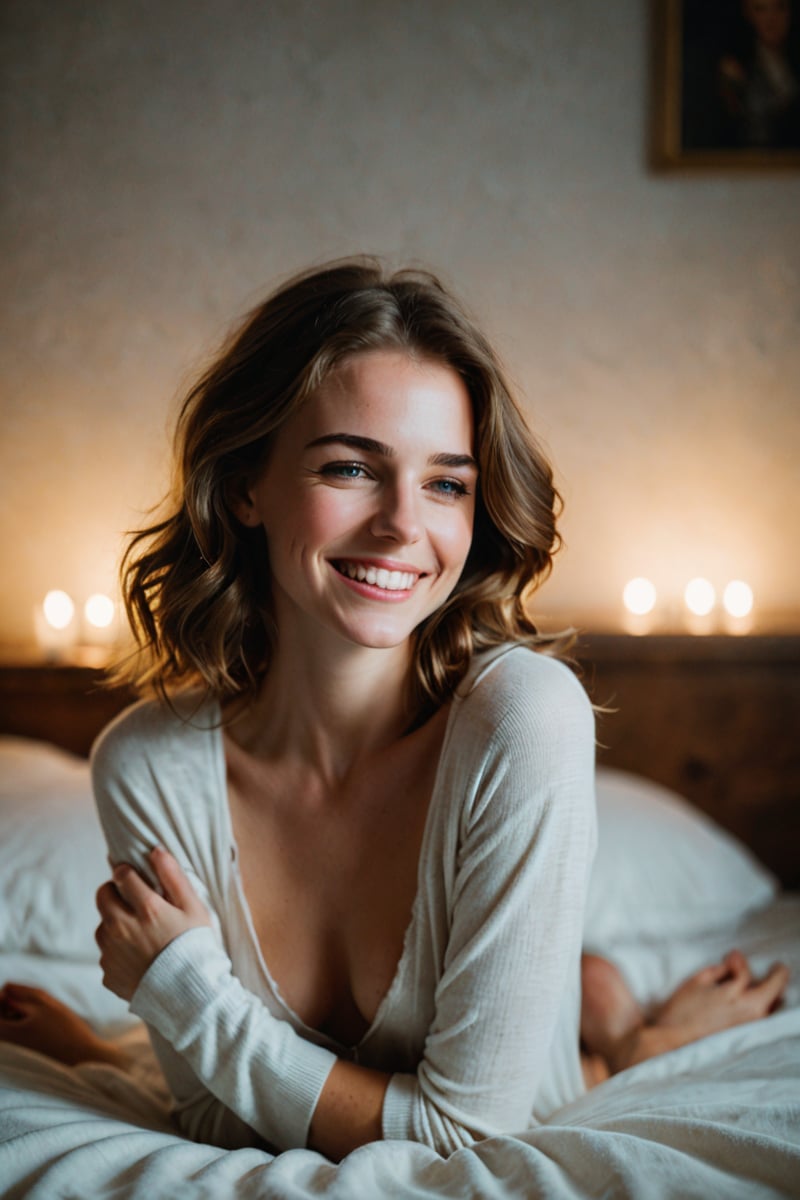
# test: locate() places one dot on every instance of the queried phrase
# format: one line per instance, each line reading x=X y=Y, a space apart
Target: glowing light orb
x=99 y=610
x=639 y=596
x=58 y=609
x=738 y=598
x=700 y=597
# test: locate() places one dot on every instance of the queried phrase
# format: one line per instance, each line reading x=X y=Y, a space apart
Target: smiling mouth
x=389 y=581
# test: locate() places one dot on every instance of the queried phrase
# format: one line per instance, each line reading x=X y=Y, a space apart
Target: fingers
x=126 y=893
x=136 y=922
x=177 y=888
x=128 y=886
x=738 y=968
x=714 y=973
x=770 y=989
x=761 y=996
x=732 y=969
x=135 y=892
x=109 y=900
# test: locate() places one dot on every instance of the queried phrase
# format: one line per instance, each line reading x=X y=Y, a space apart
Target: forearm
x=198 y=1113
x=348 y=1112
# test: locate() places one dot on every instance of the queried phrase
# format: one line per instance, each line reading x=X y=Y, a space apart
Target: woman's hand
x=137 y=923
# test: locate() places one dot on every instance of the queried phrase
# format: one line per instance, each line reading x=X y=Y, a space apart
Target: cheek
x=327 y=513
x=455 y=535
x=313 y=519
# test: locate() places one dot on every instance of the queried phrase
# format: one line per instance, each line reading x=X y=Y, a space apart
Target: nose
x=397 y=515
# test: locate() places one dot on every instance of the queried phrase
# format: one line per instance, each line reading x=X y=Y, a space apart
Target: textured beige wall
x=165 y=162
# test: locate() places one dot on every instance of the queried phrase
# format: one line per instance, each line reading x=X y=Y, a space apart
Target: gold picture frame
x=727 y=84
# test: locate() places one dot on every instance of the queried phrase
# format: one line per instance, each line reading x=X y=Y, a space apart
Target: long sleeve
x=515 y=903
x=157 y=779
x=263 y=1071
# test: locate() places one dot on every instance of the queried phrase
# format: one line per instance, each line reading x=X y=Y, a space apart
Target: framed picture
x=727 y=83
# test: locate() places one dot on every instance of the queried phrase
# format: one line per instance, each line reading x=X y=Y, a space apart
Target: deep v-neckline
x=385 y=1005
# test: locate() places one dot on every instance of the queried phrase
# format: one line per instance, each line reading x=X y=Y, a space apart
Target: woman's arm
x=207 y=1015
x=515 y=927
x=144 y=766
x=509 y=990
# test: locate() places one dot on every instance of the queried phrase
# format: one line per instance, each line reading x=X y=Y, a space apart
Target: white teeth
x=390 y=581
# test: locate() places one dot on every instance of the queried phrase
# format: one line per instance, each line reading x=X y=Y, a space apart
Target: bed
x=672 y=889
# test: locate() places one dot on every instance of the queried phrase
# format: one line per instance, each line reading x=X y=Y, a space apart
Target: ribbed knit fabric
x=480 y=1025
x=230 y=1040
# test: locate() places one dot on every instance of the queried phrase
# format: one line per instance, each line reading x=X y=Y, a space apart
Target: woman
x=353 y=845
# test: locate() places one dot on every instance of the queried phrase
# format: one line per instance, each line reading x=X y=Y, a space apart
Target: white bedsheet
x=719 y=1118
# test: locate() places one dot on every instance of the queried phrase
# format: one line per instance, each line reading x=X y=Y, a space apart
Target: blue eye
x=450 y=487
x=344 y=470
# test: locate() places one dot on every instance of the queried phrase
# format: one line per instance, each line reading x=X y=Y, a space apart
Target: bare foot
x=32 y=1018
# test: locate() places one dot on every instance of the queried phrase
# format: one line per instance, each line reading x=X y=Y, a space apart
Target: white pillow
x=52 y=852
x=663 y=869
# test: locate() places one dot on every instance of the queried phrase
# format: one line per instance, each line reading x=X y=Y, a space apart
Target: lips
x=388 y=580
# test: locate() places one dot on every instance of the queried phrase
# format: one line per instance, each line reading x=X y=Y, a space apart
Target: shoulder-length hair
x=197 y=584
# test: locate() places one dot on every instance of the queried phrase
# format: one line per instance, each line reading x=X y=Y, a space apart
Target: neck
x=328 y=706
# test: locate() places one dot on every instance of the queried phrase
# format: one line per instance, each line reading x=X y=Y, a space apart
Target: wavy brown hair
x=197 y=584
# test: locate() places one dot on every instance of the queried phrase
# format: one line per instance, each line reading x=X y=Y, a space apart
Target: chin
x=380 y=640
x=377 y=635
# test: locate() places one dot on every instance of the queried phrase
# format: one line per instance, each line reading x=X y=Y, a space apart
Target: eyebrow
x=371 y=446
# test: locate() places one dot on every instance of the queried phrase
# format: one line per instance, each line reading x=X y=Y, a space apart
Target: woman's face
x=368 y=499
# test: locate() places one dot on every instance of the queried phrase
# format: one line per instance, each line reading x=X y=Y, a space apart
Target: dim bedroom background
x=164 y=165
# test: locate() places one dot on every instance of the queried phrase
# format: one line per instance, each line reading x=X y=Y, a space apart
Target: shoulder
x=517 y=689
x=151 y=733
x=522 y=744
x=156 y=777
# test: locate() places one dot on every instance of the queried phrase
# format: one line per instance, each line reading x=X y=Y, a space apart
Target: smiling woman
x=205 y=567
x=352 y=833
x=371 y=546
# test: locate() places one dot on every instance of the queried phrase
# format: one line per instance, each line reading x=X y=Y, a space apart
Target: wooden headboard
x=716 y=719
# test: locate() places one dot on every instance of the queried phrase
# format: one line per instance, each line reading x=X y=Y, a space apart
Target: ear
x=239 y=496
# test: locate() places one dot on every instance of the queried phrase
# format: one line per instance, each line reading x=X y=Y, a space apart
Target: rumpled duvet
x=717 y=1119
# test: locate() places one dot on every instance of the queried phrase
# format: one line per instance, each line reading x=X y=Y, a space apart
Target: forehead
x=392 y=396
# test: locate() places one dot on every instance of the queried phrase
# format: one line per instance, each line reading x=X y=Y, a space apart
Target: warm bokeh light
x=58 y=609
x=99 y=610
x=738 y=598
x=639 y=596
x=700 y=597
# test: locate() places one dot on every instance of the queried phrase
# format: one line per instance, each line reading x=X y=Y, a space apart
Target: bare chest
x=330 y=882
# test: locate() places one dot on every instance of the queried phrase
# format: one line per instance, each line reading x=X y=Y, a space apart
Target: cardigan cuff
x=397 y=1116
x=180 y=981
